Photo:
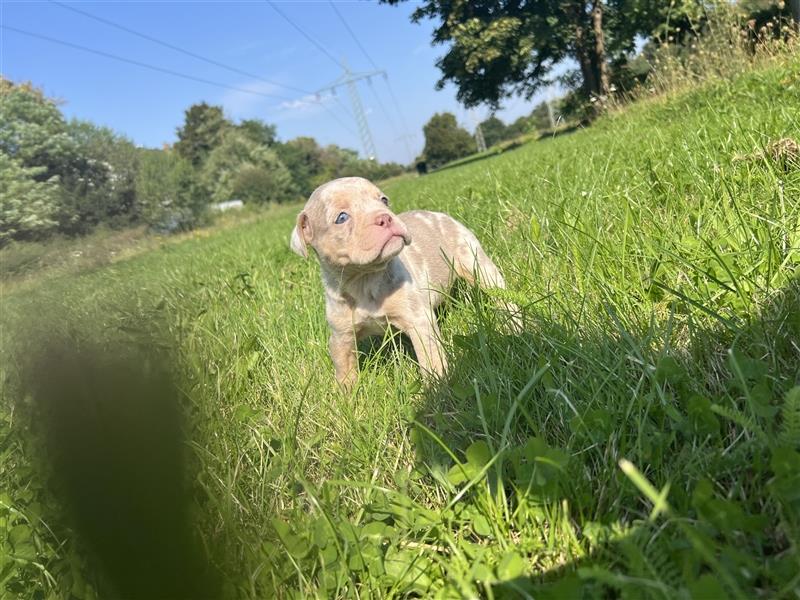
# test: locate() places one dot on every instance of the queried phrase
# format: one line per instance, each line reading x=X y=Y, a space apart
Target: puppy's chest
x=373 y=317
x=369 y=323
x=373 y=314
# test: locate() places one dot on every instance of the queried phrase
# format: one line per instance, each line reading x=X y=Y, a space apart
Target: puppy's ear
x=301 y=235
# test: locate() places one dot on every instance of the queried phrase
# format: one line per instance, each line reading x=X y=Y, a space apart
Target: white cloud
x=310 y=103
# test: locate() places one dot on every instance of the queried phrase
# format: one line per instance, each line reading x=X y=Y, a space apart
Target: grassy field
x=640 y=439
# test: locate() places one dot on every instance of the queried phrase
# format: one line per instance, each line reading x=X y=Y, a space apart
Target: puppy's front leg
x=425 y=339
x=342 y=347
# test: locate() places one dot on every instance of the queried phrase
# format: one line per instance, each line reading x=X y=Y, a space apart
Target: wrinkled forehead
x=344 y=194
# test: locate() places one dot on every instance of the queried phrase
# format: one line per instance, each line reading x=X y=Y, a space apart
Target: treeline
x=446 y=141
x=68 y=177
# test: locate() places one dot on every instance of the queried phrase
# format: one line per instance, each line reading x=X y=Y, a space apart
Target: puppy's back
x=437 y=242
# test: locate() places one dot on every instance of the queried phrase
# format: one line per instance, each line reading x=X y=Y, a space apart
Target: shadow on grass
x=699 y=418
x=108 y=421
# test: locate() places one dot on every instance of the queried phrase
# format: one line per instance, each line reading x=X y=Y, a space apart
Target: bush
x=107 y=188
x=168 y=199
x=92 y=168
x=240 y=166
x=27 y=206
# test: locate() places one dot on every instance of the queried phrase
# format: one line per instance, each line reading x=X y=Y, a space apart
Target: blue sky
x=147 y=106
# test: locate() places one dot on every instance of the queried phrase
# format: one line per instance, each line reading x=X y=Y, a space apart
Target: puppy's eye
x=343 y=216
x=385 y=200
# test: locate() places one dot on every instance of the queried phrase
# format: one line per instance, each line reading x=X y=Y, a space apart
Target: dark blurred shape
x=422 y=167
x=110 y=419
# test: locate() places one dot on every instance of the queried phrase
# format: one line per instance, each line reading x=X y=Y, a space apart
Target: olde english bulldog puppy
x=380 y=269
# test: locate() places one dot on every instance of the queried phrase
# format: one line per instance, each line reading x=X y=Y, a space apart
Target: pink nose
x=383 y=220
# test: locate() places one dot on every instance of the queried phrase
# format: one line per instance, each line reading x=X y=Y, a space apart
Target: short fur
x=380 y=269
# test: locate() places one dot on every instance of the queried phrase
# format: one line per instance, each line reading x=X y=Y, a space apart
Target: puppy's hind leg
x=473 y=265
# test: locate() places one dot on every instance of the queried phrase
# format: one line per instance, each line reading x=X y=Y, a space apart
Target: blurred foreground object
x=110 y=420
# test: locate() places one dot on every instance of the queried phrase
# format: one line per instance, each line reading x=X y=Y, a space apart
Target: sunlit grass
x=657 y=274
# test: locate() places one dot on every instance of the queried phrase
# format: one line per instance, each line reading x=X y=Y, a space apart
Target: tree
x=520 y=126
x=494 y=130
x=258 y=131
x=203 y=129
x=337 y=162
x=107 y=186
x=500 y=48
x=33 y=131
x=765 y=10
x=76 y=156
x=303 y=157
x=167 y=196
x=445 y=140
x=27 y=206
x=238 y=162
x=539 y=118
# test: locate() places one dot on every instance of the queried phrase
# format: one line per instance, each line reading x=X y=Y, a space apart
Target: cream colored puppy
x=380 y=269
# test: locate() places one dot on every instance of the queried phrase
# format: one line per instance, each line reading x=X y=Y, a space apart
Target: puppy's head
x=348 y=223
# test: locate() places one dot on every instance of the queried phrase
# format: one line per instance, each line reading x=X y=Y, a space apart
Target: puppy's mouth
x=403 y=236
x=396 y=235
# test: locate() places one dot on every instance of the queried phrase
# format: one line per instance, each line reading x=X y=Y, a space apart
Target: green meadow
x=639 y=439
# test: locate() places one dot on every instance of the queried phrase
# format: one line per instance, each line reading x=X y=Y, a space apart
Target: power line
x=155 y=40
x=403 y=122
x=383 y=108
x=205 y=59
x=143 y=64
x=353 y=35
x=319 y=46
x=374 y=92
x=187 y=53
x=342 y=105
x=348 y=79
x=369 y=58
x=170 y=71
x=338 y=120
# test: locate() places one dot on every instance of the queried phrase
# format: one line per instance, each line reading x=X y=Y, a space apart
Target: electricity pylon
x=479 y=139
x=348 y=78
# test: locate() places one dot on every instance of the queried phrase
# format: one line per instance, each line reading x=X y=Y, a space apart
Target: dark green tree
x=202 y=131
x=539 y=119
x=33 y=131
x=258 y=131
x=494 y=130
x=520 y=126
x=28 y=206
x=91 y=168
x=445 y=140
x=500 y=48
x=168 y=197
x=303 y=157
x=241 y=169
x=107 y=186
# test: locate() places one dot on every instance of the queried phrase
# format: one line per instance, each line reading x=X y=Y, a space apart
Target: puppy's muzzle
x=393 y=226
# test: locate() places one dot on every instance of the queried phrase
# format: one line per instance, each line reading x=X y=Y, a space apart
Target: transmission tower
x=481 y=141
x=349 y=79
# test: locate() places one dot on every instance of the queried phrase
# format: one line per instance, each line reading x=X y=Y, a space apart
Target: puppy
x=380 y=269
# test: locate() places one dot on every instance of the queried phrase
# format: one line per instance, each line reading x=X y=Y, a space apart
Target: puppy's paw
x=347 y=382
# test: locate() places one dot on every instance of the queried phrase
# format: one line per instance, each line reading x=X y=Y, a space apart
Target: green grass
x=639 y=439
